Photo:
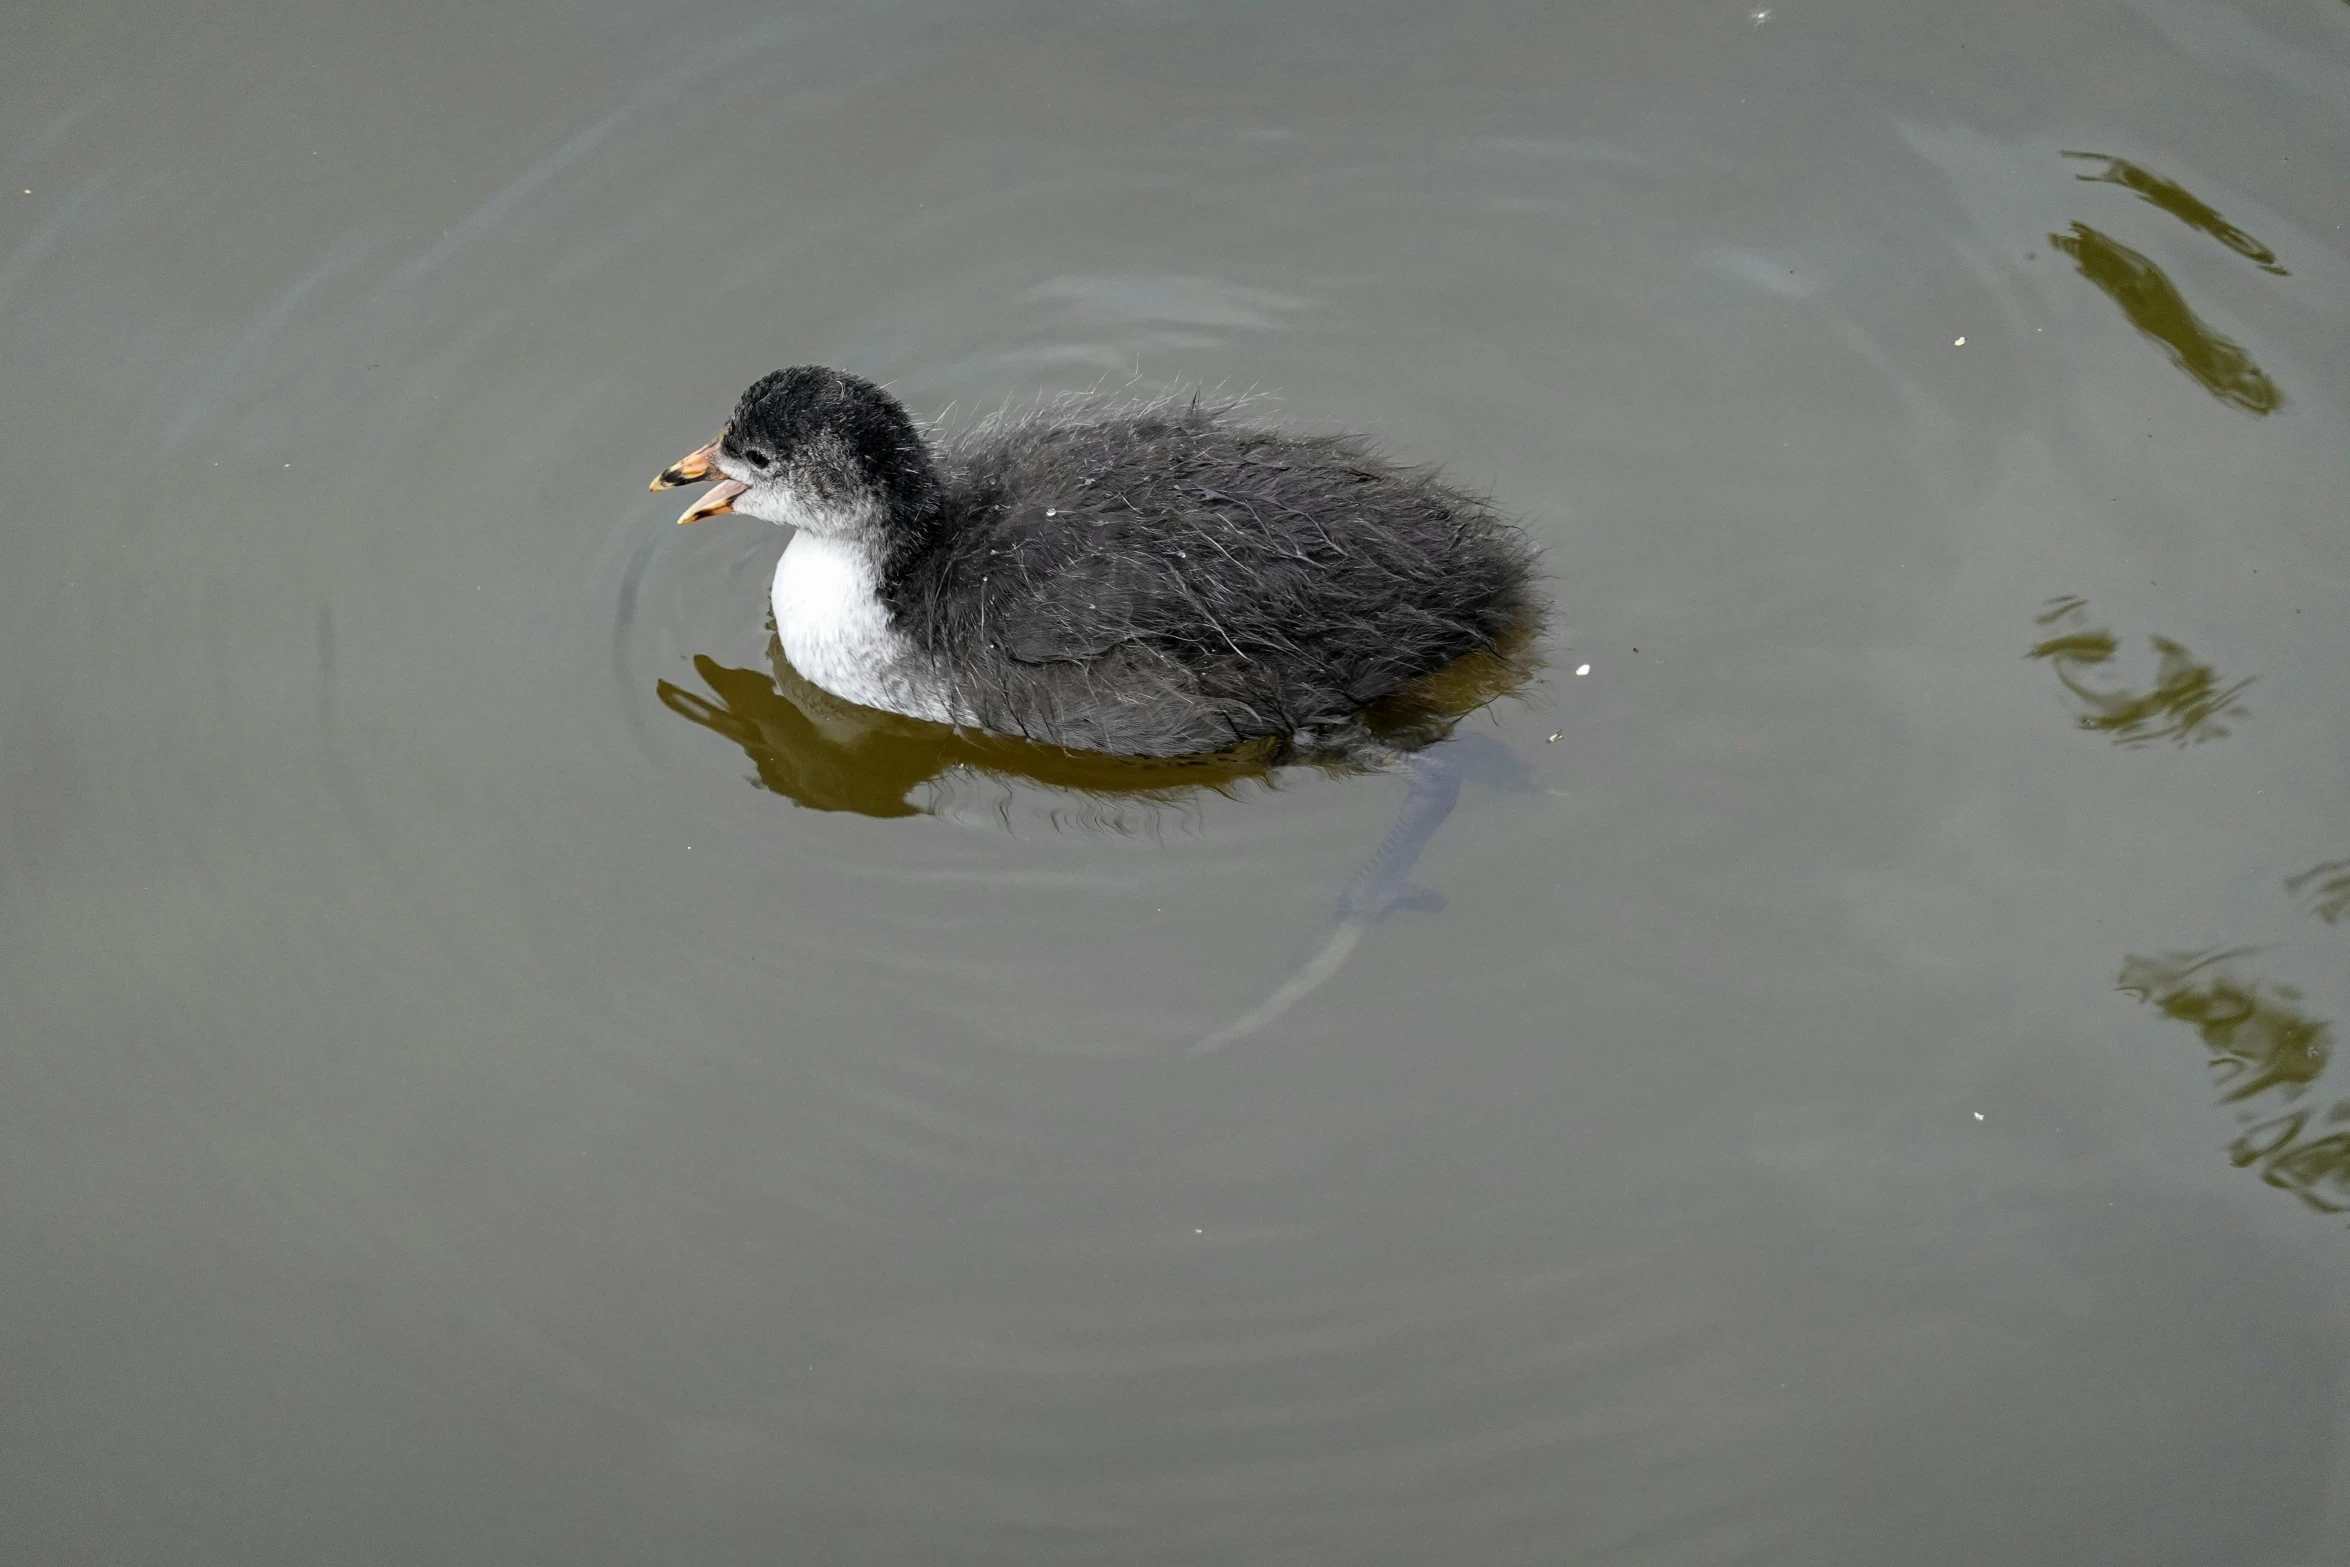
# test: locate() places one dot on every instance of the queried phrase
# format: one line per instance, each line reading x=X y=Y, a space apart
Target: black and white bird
x=1155 y=579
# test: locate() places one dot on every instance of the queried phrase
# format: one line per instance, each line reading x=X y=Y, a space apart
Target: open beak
x=715 y=500
x=688 y=470
x=693 y=469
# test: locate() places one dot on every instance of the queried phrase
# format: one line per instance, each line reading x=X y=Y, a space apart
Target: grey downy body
x=1150 y=580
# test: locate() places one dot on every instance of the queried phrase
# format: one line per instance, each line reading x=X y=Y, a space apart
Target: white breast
x=836 y=632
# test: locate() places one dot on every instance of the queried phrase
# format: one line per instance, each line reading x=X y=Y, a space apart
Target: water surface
x=491 y=1070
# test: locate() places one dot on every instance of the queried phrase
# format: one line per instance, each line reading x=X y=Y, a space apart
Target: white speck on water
x=1958 y=342
x=1582 y=669
x=1052 y=511
x=1553 y=740
x=1978 y=1115
x=1199 y=1232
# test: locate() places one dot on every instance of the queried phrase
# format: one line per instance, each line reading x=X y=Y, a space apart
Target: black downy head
x=822 y=450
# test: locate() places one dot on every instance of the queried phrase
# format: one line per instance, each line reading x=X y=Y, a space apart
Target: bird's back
x=1168 y=579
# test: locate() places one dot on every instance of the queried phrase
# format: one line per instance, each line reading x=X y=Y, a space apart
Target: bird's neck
x=912 y=519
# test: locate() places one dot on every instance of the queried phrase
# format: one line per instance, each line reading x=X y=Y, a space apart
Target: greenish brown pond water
x=493 y=1070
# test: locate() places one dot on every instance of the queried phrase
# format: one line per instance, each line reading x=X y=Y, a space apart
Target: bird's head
x=819 y=449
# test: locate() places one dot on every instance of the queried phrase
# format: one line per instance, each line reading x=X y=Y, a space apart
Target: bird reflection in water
x=827 y=754
x=2331 y=883
x=2185 y=705
x=2266 y=1054
x=2155 y=307
x=831 y=755
x=2176 y=200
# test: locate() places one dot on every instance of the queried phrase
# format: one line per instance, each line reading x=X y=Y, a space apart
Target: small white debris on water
x=1553 y=740
x=1052 y=511
x=1978 y=1115
x=1582 y=669
x=1958 y=342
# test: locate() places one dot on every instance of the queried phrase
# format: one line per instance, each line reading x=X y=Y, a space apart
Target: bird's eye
x=758 y=459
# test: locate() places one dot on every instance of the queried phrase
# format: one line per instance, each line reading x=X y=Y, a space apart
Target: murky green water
x=493 y=1071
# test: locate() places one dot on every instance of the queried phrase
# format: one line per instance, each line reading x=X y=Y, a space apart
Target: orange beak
x=693 y=469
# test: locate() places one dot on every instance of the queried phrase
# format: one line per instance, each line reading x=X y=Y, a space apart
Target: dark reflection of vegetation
x=2173 y=198
x=2155 y=308
x=2263 y=1047
x=2184 y=705
x=813 y=748
x=2258 y=1042
x=2332 y=881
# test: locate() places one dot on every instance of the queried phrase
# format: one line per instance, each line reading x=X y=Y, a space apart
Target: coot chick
x=1158 y=579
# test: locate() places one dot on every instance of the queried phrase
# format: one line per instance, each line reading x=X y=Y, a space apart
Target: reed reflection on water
x=2156 y=308
x=2176 y=200
x=2331 y=883
x=2184 y=705
x=2267 y=1054
x=2266 y=1051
